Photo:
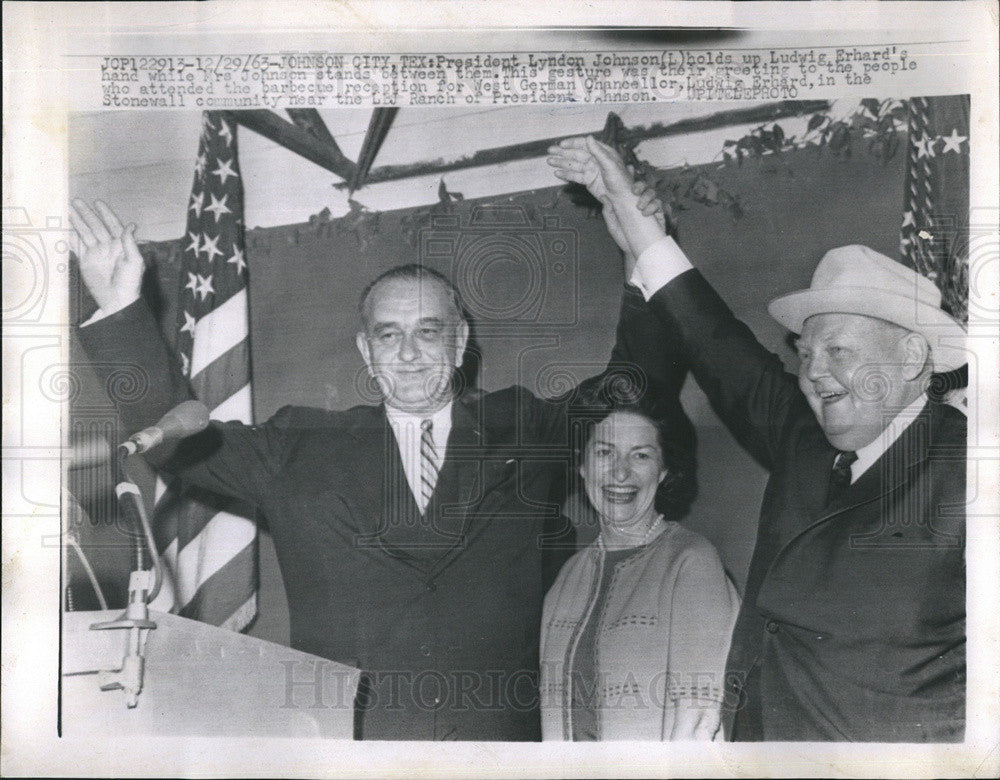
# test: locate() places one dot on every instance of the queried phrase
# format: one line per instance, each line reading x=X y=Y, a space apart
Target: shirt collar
x=871 y=452
x=441 y=418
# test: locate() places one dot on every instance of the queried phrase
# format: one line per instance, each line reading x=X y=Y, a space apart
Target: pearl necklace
x=645 y=537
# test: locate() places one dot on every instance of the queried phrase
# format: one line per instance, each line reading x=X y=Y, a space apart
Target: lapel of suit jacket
x=384 y=492
x=886 y=474
x=459 y=478
x=814 y=459
x=368 y=431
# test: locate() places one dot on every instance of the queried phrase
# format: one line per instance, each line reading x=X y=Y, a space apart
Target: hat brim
x=945 y=335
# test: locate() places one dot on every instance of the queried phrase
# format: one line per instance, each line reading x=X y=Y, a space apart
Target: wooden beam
x=310 y=121
x=378 y=127
x=297 y=140
x=530 y=149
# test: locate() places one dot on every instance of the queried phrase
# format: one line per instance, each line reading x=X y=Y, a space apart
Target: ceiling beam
x=532 y=149
x=310 y=121
x=378 y=127
x=298 y=140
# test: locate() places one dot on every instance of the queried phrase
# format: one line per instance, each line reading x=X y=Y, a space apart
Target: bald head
x=413 y=272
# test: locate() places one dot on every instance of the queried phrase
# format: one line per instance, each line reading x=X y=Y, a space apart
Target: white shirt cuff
x=100 y=314
x=97 y=316
x=658 y=265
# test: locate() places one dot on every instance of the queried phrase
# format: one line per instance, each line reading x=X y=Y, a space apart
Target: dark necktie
x=840 y=476
x=428 y=464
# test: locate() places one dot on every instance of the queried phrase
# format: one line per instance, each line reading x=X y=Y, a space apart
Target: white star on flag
x=936 y=196
x=189 y=323
x=226 y=132
x=210 y=247
x=218 y=207
x=953 y=142
x=197 y=201
x=238 y=259
x=205 y=286
x=213 y=566
x=195 y=245
x=225 y=170
x=925 y=147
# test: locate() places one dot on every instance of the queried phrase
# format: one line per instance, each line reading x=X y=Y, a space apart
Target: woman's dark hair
x=674 y=432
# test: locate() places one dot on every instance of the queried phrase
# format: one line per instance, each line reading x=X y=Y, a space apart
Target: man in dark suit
x=412 y=535
x=852 y=626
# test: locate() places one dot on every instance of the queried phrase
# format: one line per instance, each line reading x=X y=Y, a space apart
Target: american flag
x=934 y=236
x=209 y=543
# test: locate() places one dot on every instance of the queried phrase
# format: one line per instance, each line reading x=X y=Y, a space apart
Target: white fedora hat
x=858 y=280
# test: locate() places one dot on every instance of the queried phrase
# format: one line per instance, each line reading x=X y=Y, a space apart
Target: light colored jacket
x=662 y=636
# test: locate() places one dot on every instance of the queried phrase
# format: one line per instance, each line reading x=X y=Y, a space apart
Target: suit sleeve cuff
x=658 y=265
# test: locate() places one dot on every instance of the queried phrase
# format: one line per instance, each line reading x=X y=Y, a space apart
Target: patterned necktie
x=840 y=476
x=428 y=464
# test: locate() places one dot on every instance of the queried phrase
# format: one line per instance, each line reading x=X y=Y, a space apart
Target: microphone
x=86 y=451
x=183 y=420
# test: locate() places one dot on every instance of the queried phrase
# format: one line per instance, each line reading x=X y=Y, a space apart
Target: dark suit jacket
x=853 y=622
x=443 y=616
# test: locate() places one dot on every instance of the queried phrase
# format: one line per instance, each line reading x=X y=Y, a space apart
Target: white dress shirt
x=406 y=428
x=870 y=453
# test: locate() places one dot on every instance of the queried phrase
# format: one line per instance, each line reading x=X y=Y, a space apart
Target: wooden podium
x=199 y=680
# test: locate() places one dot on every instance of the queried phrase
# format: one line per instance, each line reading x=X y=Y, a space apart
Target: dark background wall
x=544 y=297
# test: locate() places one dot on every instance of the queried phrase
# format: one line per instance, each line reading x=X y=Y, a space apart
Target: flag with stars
x=209 y=543
x=934 y=237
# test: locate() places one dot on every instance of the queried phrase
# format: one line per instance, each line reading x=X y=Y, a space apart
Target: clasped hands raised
x=633 y=213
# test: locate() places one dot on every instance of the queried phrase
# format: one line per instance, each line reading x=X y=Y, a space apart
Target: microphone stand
x=143 y=586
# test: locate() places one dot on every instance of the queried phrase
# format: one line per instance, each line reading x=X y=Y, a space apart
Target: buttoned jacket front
x=662 y=636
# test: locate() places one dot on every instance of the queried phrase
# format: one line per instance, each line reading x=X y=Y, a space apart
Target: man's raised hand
x=595 y=165
x=633 y=213
x=110 y=262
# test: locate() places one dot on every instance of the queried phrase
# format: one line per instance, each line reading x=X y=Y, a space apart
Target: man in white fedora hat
x=853 y=621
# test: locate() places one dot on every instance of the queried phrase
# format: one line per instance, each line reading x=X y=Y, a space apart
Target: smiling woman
x=636 y=627
x=623 y=465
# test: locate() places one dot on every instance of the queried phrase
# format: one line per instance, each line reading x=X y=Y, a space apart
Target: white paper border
x=34 y=36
